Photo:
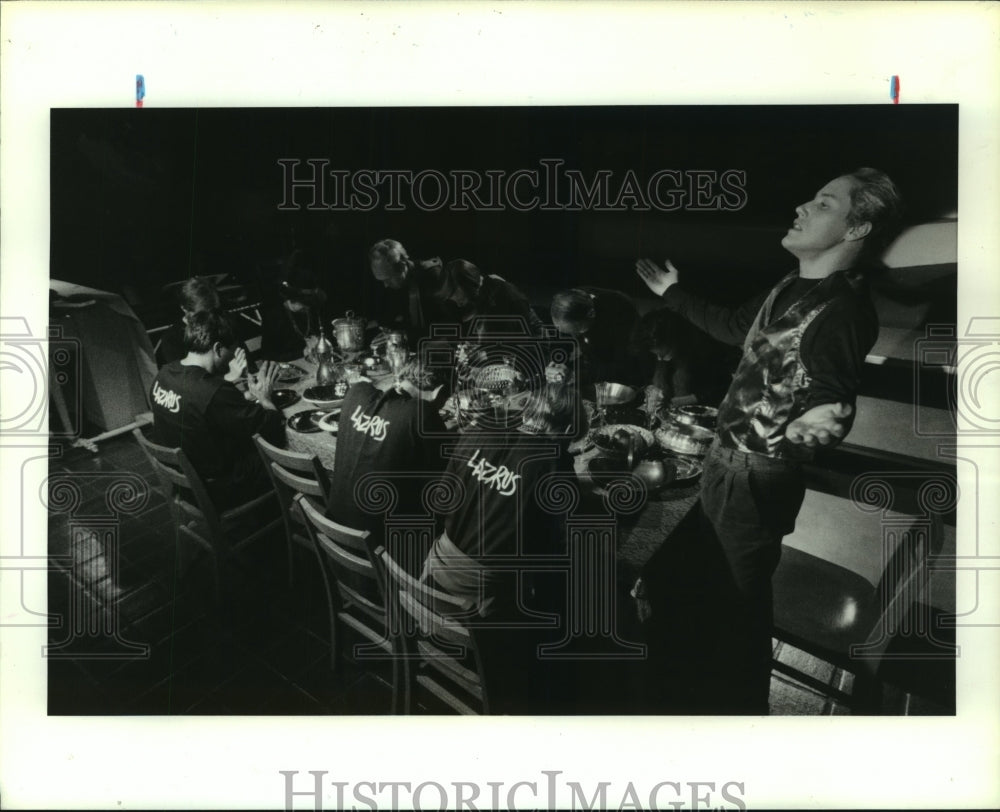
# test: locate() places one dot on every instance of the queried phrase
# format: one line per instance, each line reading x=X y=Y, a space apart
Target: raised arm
x=726 y=324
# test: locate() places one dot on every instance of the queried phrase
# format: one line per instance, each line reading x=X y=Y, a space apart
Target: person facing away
x=689 y=366
x=396 y=436
x=603 y=323
x=500 y=519
x=407 y=302
x=197 y=409
x=197 y=295
x=482 y=303
x=804 y=345
x=489 y=540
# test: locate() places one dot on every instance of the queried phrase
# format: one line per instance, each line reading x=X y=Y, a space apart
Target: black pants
x=748 y=504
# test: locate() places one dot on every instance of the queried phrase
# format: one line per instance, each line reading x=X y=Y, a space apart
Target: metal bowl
x=685 y=439
x=704 y=416
x=613 y=394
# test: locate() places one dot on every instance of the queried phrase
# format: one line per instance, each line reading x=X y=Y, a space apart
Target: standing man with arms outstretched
x=804 y=346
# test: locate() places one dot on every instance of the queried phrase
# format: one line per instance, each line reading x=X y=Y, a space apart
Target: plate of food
x=618 y=437
x=468 y=400
x=498 y=379
x=306 y=422
x=283 y=398
x=290 y=373
x=324 y=395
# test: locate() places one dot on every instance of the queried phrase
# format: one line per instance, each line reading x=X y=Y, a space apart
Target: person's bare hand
x=821 y=425
x=237 y=366
x=262 y=385
x=657 y=279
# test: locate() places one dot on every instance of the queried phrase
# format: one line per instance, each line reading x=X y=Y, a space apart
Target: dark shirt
x=412 y=308
x=212 y=422
x=833 y=347
x=500 y=514
x=388 y=433
x=499 y=299
x=606 y=349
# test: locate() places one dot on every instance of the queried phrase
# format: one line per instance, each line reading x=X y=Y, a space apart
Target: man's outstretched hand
x=821 y=425
x=656 y=278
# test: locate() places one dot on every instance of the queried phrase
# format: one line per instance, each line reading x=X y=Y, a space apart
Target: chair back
x=433 y=623
x=350 y=572
x=184 y=488
x=292 y=473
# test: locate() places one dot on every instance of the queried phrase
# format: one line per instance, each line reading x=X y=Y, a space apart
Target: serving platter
x=324 y=395
x=684 y=470
x=605 y=438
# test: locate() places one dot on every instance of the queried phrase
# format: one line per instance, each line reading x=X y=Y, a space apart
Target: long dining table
x=641 y=522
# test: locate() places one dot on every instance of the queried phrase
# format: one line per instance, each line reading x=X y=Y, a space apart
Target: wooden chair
x=292 y=473
x=355 y=590
x=437 y=640
x=845 y=586
x=221 y=533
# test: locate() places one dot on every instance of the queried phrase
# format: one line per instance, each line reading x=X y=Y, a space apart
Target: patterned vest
x=771 y=382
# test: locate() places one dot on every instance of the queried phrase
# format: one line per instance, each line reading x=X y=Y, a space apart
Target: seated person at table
x=603 y=323
x=398 y=433
x=406 y=303
x=466 y=293
x=291 y=311
x=690 y=366
x=499 y=523
x=197 y=409
x=500 y=516
x=198 y=295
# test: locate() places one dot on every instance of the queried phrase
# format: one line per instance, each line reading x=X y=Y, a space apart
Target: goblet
x=396 y=356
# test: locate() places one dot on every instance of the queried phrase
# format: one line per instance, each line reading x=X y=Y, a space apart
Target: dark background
x=142 y=198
